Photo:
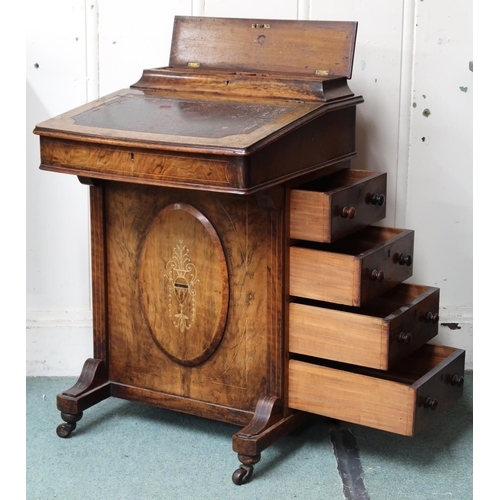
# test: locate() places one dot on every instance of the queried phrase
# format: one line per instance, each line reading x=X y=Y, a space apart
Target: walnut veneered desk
x=236 y=272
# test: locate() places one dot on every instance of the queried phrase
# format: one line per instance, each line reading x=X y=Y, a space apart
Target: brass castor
x=242 y=475
x=64 y=430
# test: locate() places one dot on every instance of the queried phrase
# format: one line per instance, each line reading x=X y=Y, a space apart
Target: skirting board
x=58 y=343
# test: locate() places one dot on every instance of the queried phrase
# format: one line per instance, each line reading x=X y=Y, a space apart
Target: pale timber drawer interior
x=354 y=269
x=377 y=336
x=337 y=205
x=402 y=400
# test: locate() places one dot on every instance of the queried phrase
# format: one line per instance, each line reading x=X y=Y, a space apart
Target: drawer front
x=350 y=278
x=413 y=324
x=338 y=205
x=386 y=267
x=443 y=386
x=376 y=336
x=399 y=402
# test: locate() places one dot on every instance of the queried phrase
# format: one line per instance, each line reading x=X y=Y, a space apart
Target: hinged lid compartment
x=260 y=46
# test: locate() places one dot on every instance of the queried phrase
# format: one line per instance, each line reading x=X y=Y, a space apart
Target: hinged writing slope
x=245 y=105
x=308 y=60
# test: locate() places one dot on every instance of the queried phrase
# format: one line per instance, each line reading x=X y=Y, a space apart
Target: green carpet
x=122 y=450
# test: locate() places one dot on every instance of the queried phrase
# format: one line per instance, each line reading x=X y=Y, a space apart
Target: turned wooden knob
x=431 y=403
x=348 y=212
x=405 y=338
x=434 y=317
x=405 y=260
x=377 y=276
x=457 y=380
x=377 y=199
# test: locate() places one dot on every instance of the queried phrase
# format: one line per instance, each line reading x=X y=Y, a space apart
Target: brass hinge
x=322 y=72
x=193 y=65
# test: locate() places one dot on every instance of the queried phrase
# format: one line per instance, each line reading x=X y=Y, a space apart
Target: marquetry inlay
x=183 y=281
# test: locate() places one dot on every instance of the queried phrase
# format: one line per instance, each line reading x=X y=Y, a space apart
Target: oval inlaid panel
x=183 y=284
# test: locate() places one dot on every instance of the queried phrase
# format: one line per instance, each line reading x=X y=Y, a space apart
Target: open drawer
x=376 y=336
x=403 y=400
x=353 y=270
x=337 y=205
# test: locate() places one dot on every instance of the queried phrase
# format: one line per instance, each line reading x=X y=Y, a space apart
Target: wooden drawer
x=353 y=270
x=337 y=205
x=403 y=400
x=377 y=336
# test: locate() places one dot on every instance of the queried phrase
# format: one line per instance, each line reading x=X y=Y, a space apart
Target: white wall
x=79 y=50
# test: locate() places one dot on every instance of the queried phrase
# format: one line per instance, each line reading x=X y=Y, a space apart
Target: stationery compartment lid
x=322 y=48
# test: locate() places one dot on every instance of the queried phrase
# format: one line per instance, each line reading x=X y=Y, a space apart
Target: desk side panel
x=247 y=363
x=315 y=144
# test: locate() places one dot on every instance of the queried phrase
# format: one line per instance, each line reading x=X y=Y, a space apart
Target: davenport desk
x=236 y=271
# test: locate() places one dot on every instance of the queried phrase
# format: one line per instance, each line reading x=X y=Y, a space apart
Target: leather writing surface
x=181 y=117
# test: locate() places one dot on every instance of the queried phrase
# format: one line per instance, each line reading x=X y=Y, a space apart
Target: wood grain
x=234 y=163
x=392 y=401
x=351 y=397
x=338 y=335
x=99 y=273
x=264 y=45
x=366 y=336
x=91 y=387
x=342 y=272
x=230 y=84
x=247 y=363
x=276 y=279
x=327 y=276
x=316 y=208
x=309 y=215
x=181 y=404
x=183 y=284
x=191 y=221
